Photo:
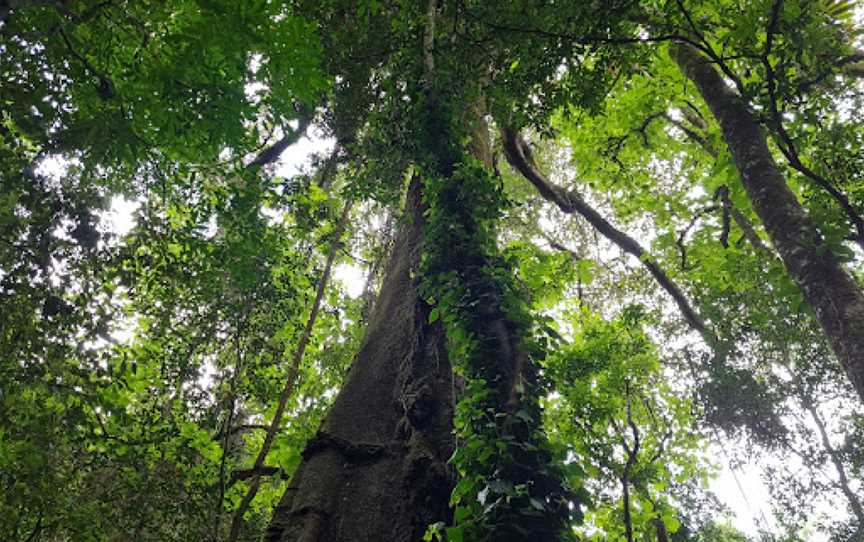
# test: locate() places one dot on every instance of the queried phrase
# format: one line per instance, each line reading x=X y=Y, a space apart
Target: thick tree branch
x=429 y=44
x=274 y=151
x=706 y=48
x=851 y=65
x=245 y=474
x=519 y=156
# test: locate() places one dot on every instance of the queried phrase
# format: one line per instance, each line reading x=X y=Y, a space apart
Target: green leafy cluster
x=622 y=424
x=138 y=371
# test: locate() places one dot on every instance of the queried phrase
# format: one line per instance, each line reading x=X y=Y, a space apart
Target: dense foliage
x=172 y=334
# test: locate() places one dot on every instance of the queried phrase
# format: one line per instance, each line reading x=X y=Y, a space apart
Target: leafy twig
x=786 y=144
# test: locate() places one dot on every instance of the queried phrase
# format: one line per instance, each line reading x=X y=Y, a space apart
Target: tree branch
x=786 y=144
x=274 y=151
x=854 y=502
x=632 y=455
x=245 y=474
x=518 y=154
x=683 y=234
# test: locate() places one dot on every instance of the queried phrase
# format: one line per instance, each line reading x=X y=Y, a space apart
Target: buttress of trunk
x=836 y=299
x=377 y=468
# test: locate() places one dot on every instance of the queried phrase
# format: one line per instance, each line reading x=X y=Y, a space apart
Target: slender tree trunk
x=836 y=299
x=290 y=381
x=625 y=497
x=377 y=468
x=632 y=457
x=843 y=479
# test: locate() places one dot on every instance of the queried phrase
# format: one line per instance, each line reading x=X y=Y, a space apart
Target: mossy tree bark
x=377 y=469
x=837 y=300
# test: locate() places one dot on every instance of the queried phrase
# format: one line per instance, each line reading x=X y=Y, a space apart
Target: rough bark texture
x=376 y=470
x=836 y=299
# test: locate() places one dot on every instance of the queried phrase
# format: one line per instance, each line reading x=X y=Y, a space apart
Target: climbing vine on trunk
x=509 y=487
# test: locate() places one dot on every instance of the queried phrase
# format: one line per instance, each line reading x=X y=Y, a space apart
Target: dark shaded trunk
x=625 y=497
x=836 y=299
x=662 y=533
x=376 y=469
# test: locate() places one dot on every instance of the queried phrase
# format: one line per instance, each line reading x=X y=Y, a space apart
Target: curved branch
x=519 y=156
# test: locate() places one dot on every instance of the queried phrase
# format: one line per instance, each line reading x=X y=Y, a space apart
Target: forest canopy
x=441 y=270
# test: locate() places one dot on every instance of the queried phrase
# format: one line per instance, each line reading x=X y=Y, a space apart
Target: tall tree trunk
x=377 y=468
x=836 y=299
